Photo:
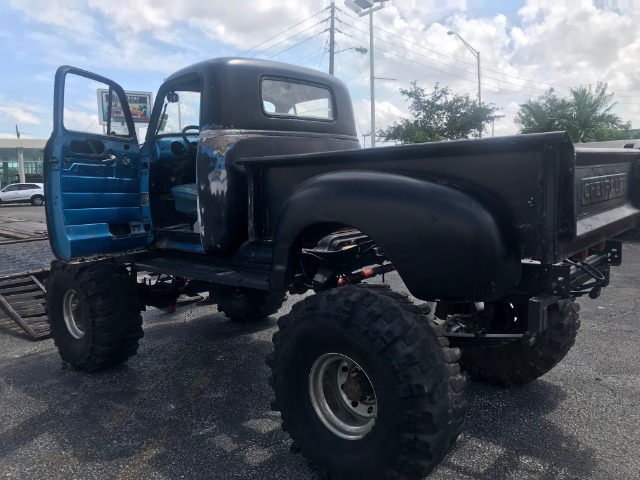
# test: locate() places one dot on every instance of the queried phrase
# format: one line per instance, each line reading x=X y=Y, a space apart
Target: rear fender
x=445 y=244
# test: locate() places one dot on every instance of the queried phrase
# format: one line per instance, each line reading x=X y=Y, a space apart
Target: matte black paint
x=231 y=99
x=525 y=181
x=455 y=218
x=444 y=243
x=222 y=182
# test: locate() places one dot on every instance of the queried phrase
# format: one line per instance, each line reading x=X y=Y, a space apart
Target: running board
x=22 y=301
x=202 y=271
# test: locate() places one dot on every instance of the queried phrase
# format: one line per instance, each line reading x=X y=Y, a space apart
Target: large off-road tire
x=367 y=388
x=246 y=305
x=515 y=364
x=94 y=314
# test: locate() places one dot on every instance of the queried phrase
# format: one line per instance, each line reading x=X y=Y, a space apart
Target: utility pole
x=372 y=81
x=367 y=7
x=332 y=41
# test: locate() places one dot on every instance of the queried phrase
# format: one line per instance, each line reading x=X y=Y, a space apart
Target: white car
x=23 y=192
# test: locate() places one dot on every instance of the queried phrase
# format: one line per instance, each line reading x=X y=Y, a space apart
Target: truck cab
x=183 y=189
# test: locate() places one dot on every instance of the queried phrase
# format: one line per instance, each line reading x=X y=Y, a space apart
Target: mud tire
x=106 y=323
x=514 y=364
x=246 y=305
x=419 y=389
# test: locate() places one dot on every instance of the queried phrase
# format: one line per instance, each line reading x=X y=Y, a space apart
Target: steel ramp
x=22 y=304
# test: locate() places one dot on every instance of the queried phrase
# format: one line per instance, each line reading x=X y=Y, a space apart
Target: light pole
x=493 y=121
x=362 y=8
x=364 y=139
x=476 y=53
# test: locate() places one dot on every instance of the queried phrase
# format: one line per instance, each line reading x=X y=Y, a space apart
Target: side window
x=285 y=98
x=92 y=107
x=12 y=188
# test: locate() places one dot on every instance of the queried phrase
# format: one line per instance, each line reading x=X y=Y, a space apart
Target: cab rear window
x=282 y=98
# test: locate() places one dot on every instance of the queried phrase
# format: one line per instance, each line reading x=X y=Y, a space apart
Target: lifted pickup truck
x=251 y=183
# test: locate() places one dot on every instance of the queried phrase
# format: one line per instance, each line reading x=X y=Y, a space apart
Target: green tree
x=438 y=115
x=587 y=115
x=542 y=115
x=590 y=113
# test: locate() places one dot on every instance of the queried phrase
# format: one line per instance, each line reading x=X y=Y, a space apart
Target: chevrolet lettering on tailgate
x=603 y=188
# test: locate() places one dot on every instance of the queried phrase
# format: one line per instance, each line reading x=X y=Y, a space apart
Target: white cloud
x=24 y=114
x=547 y=44
x=70 y=15
x=81 y=121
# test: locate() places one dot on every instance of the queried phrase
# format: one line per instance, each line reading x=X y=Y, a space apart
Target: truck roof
x=235 y=99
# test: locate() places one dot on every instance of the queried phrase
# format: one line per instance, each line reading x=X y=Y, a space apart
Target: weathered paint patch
x=214 y=145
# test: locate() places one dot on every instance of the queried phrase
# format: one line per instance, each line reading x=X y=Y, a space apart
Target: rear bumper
x=568 y=279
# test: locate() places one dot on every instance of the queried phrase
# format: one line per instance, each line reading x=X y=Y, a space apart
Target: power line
x=306 y=58
x=364 y=82
x=408 y=41
x=438 y=70
x=462 y=61
x=320 y=58
x=446 y=64
x=464 y=71
x=284 y=31
x=288 y=38
x=296 y=44
x=351 y=49
x=451 y=74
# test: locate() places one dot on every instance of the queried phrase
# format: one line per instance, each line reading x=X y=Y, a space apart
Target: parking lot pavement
x=194 y=403
x=24 y=256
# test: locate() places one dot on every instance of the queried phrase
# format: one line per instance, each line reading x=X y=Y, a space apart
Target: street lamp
x=362 y=8
x=361 y=50
x=476 y=53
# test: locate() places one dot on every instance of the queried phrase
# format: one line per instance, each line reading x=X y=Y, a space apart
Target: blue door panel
x=82 y=216
x=74 y=183
x=95 y=184
x=84 y=239
x=100 y=200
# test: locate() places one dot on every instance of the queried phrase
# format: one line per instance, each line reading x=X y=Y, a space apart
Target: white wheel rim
x=71 y=314
x=342 y=396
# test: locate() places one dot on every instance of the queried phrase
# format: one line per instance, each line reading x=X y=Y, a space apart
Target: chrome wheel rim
x=342 y=396
x=72 y=315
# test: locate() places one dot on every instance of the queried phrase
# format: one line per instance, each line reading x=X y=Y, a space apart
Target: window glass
x=181 y=109
x=12 y=188
x=81 y=109
x=290 y=99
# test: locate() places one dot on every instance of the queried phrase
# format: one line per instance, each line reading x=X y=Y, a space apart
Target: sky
x=526 y=47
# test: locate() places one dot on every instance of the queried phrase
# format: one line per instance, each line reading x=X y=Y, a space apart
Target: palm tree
x=590 y=113
x=542 y=115
x=586 y=115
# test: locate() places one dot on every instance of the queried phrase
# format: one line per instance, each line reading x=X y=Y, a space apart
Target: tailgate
x=606 y=190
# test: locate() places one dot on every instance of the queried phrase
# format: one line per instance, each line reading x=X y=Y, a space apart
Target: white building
x=21 y=160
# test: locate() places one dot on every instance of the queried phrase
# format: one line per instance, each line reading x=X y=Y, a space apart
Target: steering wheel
x=192 y=148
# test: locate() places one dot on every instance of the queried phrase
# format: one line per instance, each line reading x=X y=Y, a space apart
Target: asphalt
x=194 y=403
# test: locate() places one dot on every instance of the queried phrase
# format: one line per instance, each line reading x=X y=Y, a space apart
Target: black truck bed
x=560 y=198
